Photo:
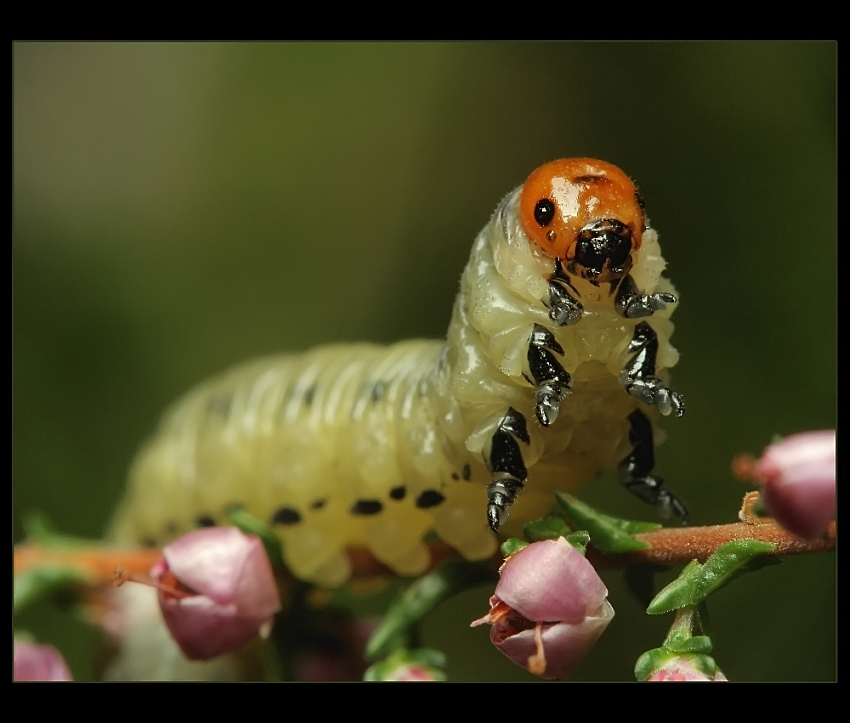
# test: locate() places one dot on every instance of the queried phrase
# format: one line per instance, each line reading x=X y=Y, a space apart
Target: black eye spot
x=544 y=211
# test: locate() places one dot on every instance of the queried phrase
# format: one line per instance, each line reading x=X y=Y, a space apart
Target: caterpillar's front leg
x=552 y=382
x=635 y=470
x=564 y=308
x=507 y=467
x=632 y=304
x=638 y=376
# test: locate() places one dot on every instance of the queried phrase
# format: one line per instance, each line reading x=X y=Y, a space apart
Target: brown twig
x=683 y=544
x=99 y=563
x=667 y=546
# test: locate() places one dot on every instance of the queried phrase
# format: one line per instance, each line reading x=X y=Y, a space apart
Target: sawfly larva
x=553 y=367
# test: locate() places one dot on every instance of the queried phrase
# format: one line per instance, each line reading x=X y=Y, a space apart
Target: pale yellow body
x=320 y=431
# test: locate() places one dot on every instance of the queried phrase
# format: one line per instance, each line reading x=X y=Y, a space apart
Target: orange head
x=585 y=212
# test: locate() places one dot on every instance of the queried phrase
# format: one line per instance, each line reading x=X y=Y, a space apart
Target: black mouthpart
x=602 y=245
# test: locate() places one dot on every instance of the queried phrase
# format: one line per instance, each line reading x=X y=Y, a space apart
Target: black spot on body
x=318 y=504
x=429 y=498
x=286 y=516
x=367 y=507
x=398 y=493
x=204 y=521
x=455 y=476
x=378 y=391
x=467 y=472
x=309 y=395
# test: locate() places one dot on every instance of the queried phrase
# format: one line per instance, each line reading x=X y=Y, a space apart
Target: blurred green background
x=181 y=207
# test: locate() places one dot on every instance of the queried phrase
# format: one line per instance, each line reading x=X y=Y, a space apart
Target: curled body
x=554 y=366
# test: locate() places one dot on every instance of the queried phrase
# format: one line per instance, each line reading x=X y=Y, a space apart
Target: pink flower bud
x=798 y=478
x=680 y=669
x=414 y=674
x=39 y=662
x=549 y=608
x=223 y=591
x=410 y=666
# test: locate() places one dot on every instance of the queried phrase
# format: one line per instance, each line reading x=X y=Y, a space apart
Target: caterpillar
x=554 y=366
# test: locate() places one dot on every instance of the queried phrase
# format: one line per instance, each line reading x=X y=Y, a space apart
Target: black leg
x=507 y=467
x=638 y=377
x=551 y=380
x=635 y=471
x=632 y=304
x=564 y=308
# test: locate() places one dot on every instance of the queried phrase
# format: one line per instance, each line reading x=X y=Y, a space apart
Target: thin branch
x=683 y=544
x=668 y=545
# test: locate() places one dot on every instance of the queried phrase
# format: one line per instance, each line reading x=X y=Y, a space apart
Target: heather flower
x=410 y=666
x=687 y=668
x=798 y=478
x=549 y=608
x=217 y=591
x=39 y=662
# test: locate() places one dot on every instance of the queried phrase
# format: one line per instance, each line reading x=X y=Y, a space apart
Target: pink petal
x=681 y=670
x=564 y=644
x=39 y=662
x=209 y=560
x=551 y=581
x=235 y=596
x=798 y=474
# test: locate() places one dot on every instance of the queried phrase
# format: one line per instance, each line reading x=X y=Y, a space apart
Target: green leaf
x=609 y=534
x=249 y=524
x=679 y=593
x=696 y=582
x=729 y=561
x=44 y=582
x=579 y=539
x=422 y=596
x=549 y=528
x=695 y=644
x=650 y=661
x=512 y=545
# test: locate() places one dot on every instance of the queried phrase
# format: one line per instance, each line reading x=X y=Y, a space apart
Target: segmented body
x=361 y=445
